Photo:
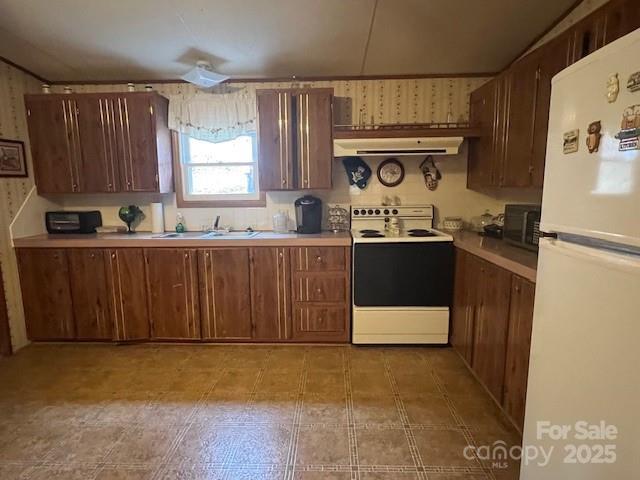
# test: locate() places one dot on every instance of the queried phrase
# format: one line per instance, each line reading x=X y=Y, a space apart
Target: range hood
x=346 y=147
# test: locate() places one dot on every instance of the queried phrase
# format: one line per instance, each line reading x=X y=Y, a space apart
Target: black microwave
x=73 y=222
x=522 y=225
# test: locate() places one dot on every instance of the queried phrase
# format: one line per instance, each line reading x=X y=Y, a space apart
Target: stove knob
x=356 y=212
x=370 y=212
x=386 y=211
x=377 y=212
x=394 y=211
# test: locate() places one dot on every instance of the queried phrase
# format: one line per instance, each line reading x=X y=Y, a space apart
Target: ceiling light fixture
x=203 y=76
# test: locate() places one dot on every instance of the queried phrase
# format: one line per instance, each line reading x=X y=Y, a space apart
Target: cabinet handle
x=206 y=254
x=186 y=255
x=113 y=255
x=280 y=255
x=284 y=182
x=318 y=259
x=318 y=290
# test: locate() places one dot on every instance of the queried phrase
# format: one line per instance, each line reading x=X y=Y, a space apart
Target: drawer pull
x=318 y=290
x=318 y=259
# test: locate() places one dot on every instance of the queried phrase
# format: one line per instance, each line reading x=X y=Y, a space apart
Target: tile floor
x=143 y=412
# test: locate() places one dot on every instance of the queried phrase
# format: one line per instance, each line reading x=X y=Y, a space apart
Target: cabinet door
x=89 y=292
x=225 y=293
x=271 y=293
x=97 y=144
x=481 y=150
x=128 y=294
x=466 y=282
x=54 y=145
x=172 y=289
x=275 y=145
x=518 y=347
x=137 y=143
x=490 y=330
x=621 y=17
x=46 y=296
x=588 y=35
x=314 y=138
x=522 y=92
x=553 y=59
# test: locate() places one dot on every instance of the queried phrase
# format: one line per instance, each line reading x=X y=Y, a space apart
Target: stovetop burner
x=369 y=230
x=420 y=232
x=374 y=234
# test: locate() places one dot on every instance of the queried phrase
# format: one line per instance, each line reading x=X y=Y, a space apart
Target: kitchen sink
x=222 y=235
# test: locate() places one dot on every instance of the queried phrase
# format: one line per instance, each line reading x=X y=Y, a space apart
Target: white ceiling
x=73 y=40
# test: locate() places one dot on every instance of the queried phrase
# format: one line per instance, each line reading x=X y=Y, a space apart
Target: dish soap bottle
x=179 y=223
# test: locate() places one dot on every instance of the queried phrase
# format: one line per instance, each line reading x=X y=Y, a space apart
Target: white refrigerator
x=585 y=350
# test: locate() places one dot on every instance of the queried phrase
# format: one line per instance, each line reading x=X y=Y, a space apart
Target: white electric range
x=402 y=276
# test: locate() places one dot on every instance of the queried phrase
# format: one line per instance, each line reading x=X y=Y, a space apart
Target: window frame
x=184 y=200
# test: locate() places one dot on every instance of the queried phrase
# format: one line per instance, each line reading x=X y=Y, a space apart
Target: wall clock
x=391 y=172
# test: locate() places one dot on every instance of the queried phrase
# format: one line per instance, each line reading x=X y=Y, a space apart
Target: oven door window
x=403 y=274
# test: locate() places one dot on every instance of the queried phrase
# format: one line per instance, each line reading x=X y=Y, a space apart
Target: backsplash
x=451 y=198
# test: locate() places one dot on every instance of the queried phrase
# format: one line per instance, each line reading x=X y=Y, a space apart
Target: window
x=220 y=173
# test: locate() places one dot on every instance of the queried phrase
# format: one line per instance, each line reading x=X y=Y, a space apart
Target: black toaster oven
x=73 y=222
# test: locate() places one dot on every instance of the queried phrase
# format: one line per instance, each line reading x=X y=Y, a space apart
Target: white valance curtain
x=215 y=117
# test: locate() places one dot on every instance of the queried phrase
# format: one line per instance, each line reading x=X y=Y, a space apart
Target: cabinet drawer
x=319 y=259
x=309 y=319
x=316 y=288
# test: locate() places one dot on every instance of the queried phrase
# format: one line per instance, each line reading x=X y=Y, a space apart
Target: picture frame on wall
x=13 y=162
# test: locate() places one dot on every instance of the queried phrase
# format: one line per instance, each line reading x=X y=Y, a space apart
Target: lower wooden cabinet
x=320 y=322
x=321 y=294
x=225 y=294
x=46 y=295
x=271 y=293
x=262 y=294
x=463 y=311
x=90 y=294
x=491 y=323
x=491 y=329
x=172 y=292
x=518 y=347
x=128 y=294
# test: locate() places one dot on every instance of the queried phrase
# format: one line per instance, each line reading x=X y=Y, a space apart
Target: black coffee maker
x=308 y=214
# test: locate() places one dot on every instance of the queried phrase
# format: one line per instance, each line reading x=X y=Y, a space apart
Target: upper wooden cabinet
x=295 y=135
x=98 y=143
x=621 y=17
x=54 y=143
x=522 y=95
x=512 y=110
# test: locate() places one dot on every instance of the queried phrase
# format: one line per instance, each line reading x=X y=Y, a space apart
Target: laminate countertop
x=517 y=260
x=187 y=240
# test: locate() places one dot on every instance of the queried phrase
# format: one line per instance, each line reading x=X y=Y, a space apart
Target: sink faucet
x=216 y=223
